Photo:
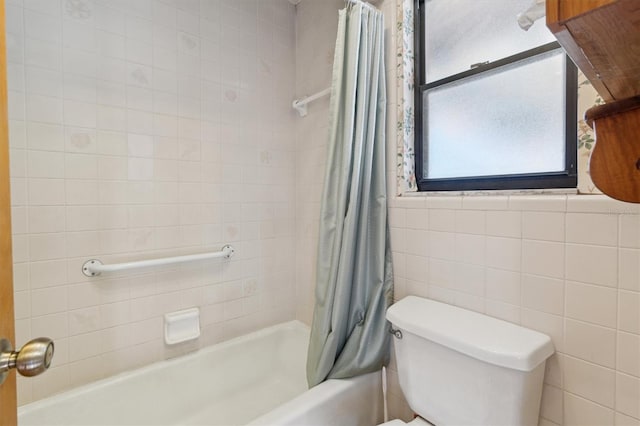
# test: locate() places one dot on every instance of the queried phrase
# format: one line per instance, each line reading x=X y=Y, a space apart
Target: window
x=495 y=105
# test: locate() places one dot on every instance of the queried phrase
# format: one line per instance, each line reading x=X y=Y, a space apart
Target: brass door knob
x=32 y=359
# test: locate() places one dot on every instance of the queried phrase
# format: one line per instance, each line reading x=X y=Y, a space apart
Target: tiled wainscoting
x=568 y=266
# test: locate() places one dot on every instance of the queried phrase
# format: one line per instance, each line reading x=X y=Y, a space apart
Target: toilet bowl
x=459 y=367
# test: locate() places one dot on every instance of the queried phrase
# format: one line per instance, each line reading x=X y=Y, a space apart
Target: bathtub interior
x=227 y=384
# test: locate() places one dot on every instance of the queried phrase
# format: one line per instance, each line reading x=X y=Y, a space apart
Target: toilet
x=458 y=367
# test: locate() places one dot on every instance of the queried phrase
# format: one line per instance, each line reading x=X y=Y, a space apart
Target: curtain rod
x=362 y=2
x=300 y=105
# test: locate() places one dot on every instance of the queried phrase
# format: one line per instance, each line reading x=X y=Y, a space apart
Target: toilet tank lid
x=476 y=335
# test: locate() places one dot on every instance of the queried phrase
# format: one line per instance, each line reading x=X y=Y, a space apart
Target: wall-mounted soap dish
x=181 y=326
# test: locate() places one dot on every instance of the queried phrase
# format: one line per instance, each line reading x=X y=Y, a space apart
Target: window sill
x=492 y=193
x=531 y=200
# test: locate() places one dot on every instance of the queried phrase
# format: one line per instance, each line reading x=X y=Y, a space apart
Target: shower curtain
x=354 y=281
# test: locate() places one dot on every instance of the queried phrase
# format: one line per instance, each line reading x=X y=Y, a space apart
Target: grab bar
x=94 y=267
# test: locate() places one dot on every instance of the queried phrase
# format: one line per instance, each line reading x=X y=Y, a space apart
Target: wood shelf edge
x=611 y=108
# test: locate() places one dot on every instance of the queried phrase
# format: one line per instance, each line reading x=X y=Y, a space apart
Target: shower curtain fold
x=354 y=282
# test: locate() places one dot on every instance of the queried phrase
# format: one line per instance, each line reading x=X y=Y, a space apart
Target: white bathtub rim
x=158 y=365
x=293 y=411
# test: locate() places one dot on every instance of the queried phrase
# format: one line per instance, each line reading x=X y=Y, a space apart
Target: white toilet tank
x=458 y=367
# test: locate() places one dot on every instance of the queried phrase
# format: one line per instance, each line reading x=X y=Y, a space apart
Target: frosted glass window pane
x=459 y=33
x=506 y=121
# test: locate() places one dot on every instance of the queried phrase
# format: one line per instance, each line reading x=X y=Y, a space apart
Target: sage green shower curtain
x=354 y=283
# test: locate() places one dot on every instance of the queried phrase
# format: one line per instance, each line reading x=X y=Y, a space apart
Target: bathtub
x=256 y=379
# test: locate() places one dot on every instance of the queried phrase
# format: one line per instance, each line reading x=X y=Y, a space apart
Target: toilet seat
x=418 y=421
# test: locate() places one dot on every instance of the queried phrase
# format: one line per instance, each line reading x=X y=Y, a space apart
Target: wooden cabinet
x=603 y=39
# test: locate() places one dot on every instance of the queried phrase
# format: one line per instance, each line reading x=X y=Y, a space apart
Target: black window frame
x=553 y=180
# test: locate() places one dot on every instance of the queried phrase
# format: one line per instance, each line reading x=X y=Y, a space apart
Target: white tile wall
x=140 y=129
x=317 y=23
x=565 y=273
